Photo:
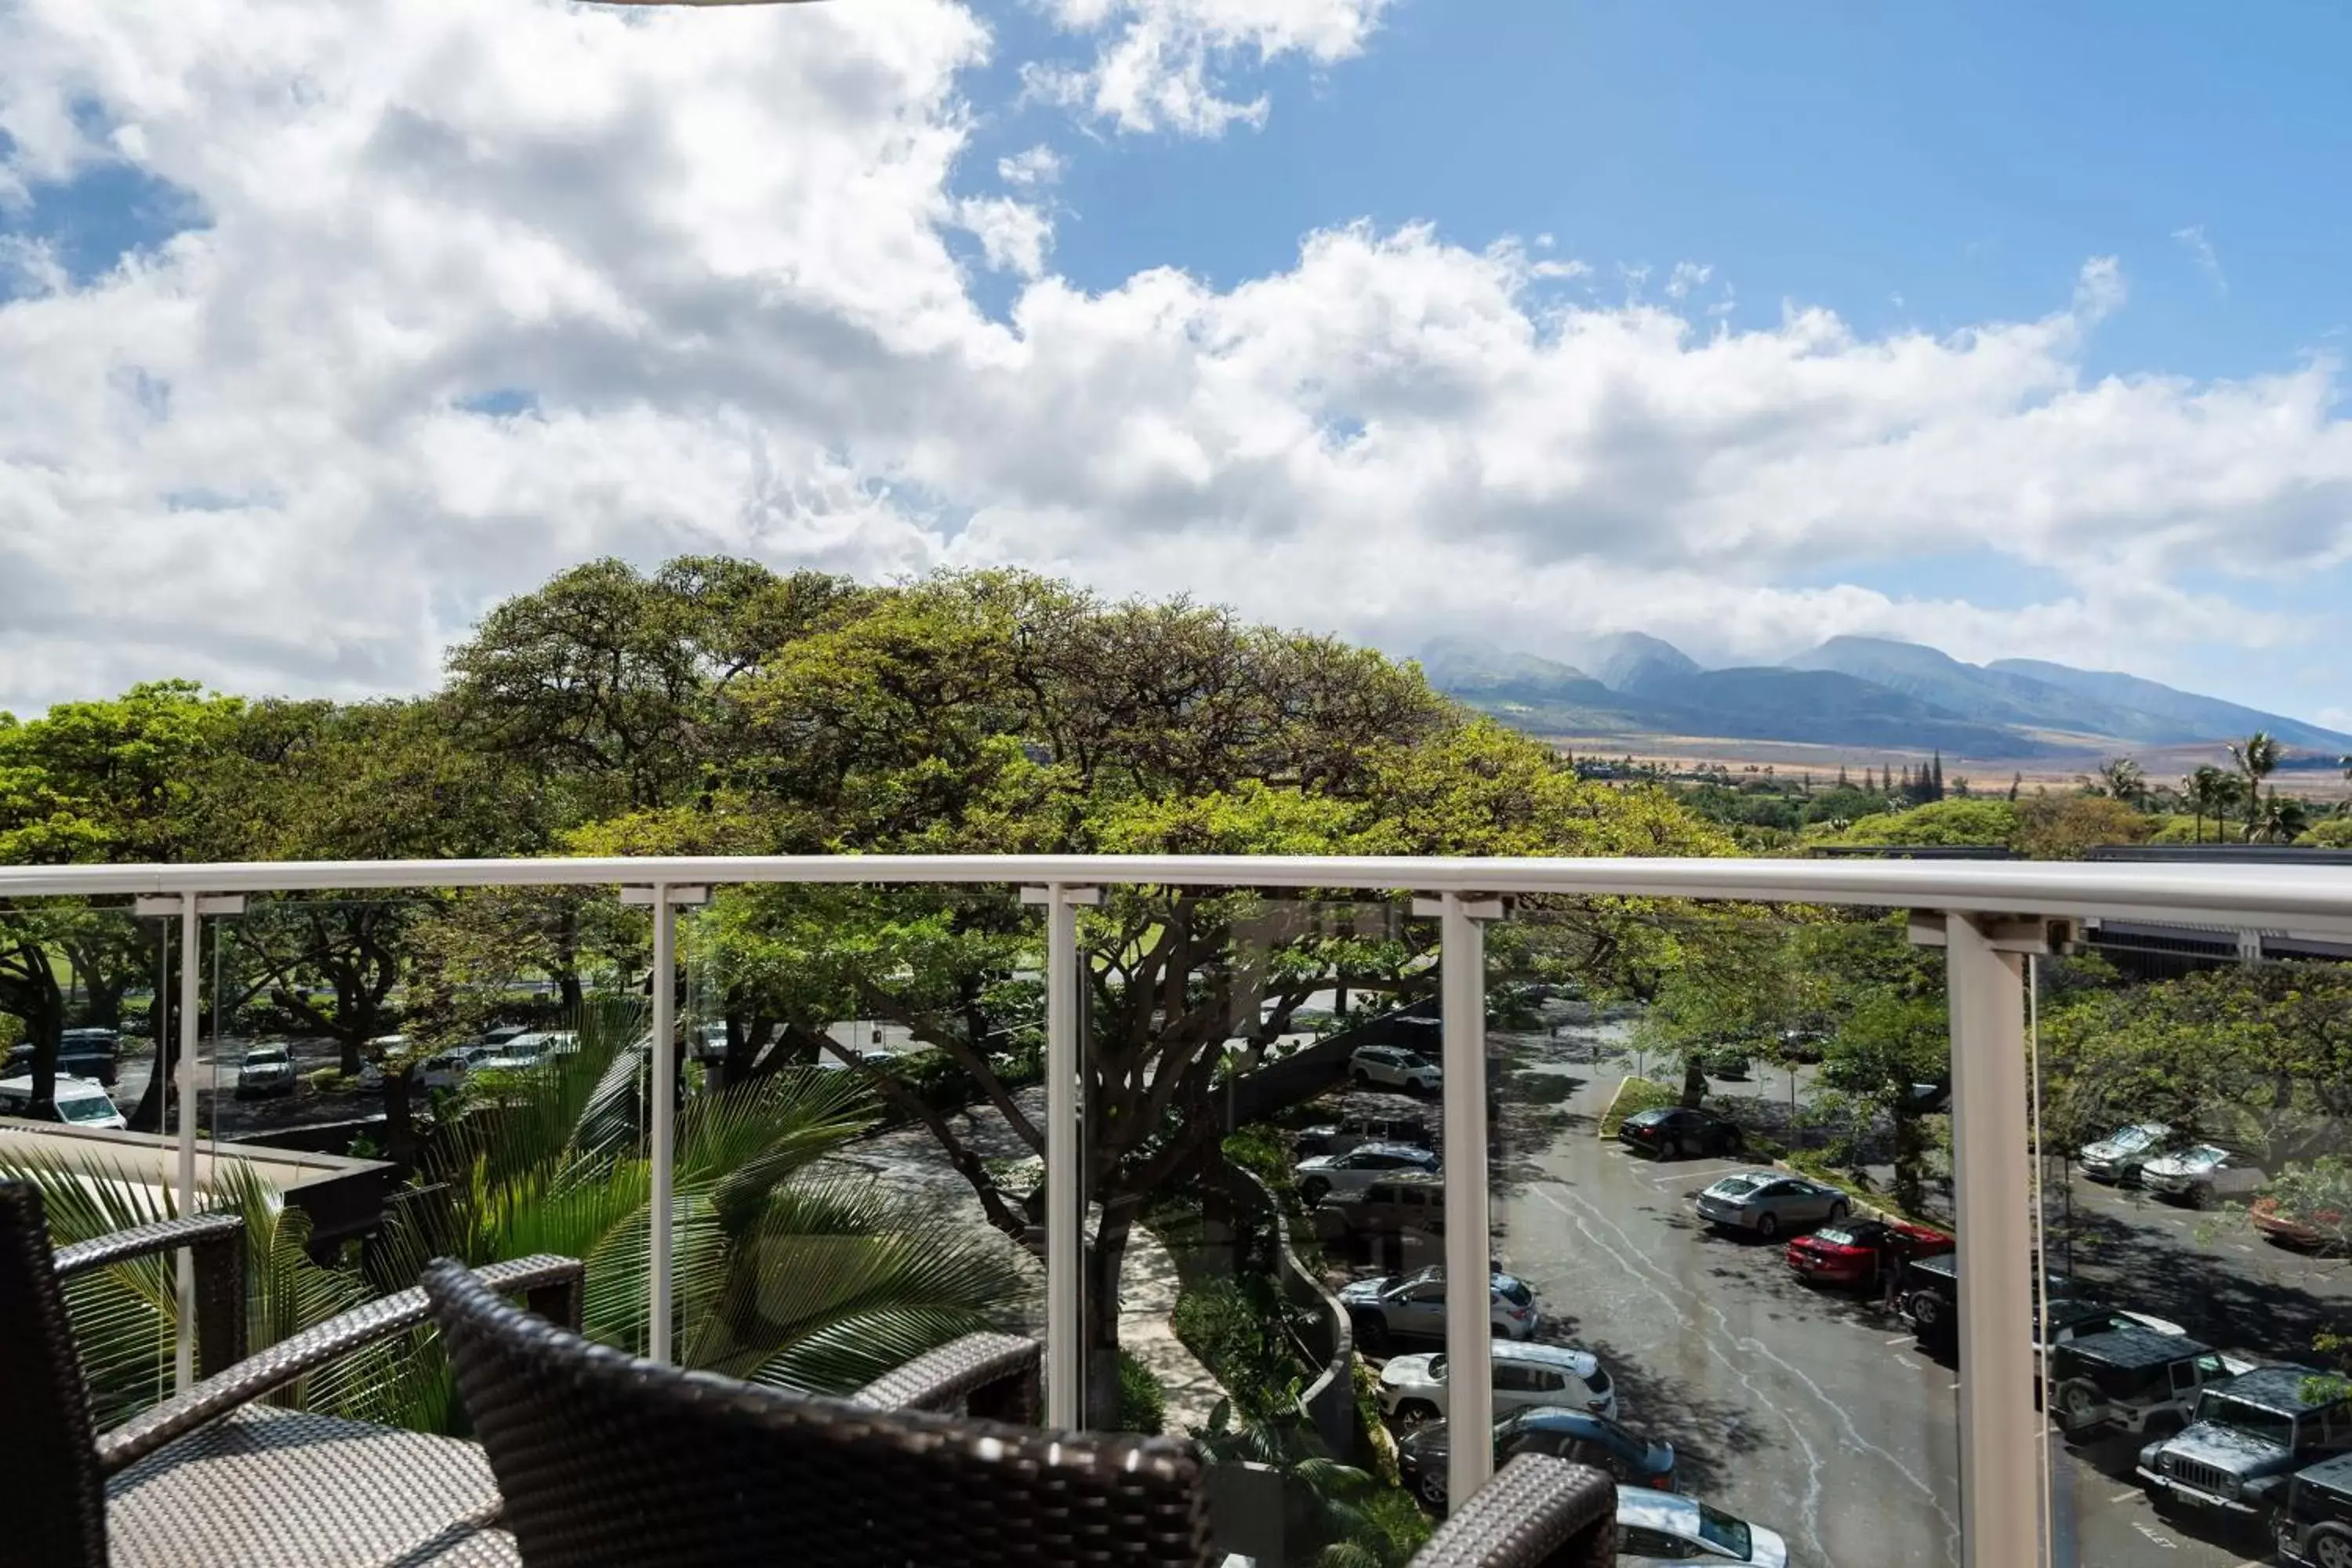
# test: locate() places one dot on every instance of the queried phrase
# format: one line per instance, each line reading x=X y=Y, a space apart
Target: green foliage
x=1952 y=822
x=1636 y=1095
x=1262 y=1151
x=1241 y=1328
x=1142 y=1402
x=2061 y=827
x=2335 y=833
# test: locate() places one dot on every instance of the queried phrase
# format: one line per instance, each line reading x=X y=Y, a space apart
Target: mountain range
x=1849 y=691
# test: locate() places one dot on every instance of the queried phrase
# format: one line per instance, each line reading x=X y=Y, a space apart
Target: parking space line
x=1706 y=1176
x=1901 y=1339
x=2125 y=1495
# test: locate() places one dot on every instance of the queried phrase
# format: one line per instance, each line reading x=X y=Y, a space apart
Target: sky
x=2009 y=328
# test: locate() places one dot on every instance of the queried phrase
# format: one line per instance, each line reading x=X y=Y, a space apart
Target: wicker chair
x=208 y=1476
x=606 y=1458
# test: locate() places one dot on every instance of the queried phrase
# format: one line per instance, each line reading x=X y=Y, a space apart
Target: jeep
x=2251 y=1430
x=2133 y=1380
x=2314 y=1522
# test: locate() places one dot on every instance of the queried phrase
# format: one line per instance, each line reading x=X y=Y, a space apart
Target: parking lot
x=1805 y=1409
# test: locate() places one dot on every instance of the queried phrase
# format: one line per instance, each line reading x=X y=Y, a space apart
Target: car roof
x=2278 y=1388
x=1641 y=1508
x=2134 y=1347
x=1581 y=1363
x=1410 y=1151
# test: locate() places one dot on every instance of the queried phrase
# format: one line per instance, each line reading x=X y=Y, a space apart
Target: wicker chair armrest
x=146 y=1240
x=552 y=1285
x=216 y=1244
x=1538 y=1512
x=992 y=1376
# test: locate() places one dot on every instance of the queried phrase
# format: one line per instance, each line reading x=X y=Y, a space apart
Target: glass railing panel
x=1721 y=1170
x=2194 y=1087
x=860 y=1128
x=1264 y=1113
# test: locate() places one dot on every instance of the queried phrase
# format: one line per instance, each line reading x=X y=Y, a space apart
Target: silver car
x=2119 y=1156
x=267 y=1069
x=1770 y=1202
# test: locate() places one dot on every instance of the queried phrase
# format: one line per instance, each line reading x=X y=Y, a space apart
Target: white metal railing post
x=1469 y=1290
x=1991 y=1179
x=189 y=908
x=661 y=1153
x=1065 y=1192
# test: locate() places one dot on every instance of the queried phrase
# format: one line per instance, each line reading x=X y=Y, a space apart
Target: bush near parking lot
x=1634 y=1096
x=1142 y=1403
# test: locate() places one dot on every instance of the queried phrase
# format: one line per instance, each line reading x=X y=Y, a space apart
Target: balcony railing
x=1980 y=1485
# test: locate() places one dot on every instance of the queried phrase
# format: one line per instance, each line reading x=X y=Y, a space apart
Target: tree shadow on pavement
x=1711 y=1436
x=2220 y=1301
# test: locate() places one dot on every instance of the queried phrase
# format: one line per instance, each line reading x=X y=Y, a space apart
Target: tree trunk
x=147 y=1116
x=399 y=1117
x=1104 y=1259
x=1910 y=1154
x=1694 y=1080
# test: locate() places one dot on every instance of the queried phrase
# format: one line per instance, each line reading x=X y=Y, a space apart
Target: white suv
x=1323 y=1174
x=1413 y=1387
x=1393 y=1067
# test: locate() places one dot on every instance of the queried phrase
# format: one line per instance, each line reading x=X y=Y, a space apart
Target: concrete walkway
x=910 y=1157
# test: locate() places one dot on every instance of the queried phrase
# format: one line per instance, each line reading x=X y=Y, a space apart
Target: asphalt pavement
x=1803 y=1408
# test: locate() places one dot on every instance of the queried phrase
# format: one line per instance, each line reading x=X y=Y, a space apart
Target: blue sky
x=389 y=363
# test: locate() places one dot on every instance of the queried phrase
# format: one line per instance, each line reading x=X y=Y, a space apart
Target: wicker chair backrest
x=49 y=1448
x=603 y=1458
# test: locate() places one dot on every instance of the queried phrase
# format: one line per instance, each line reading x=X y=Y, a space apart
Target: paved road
x=1804 y=1409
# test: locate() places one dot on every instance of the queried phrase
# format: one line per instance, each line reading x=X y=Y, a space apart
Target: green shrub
x=1239 y=1328
x=325 y=1080
x=1636 y=1095
x=1262 y=1152
x=1142 y=1403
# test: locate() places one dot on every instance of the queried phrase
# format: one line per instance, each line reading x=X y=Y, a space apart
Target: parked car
x=1343 y=1133
x=77 y=1101
x=1673 y=1129
x=1770 y=1202
x=1357 y=1168
x=2119 y=1157
x=2261 y=1428
x=1803 y=1045
x=521 y=1053
x=1394 y=1066
x=1578 y=1434
x=1397 y=1306
x=1413 y=1387
x=1405 y=1202
x=94 y=1054
x=448 y=1069
x=2196 y=1176
x=1931 y=1299
x=2132 y=1379
x=1655 y=1527
x=2313 y=1524
x=1850 y=1254
x=265 y=1069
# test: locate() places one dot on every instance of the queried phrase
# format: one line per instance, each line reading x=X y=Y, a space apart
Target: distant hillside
x=1851 y=690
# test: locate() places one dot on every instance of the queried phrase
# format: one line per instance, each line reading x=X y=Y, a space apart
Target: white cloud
x=708 y=255
x=1687 y=277
x=1014 y=236
x=2200 y=252
x=1038 y=165
x=1165 y=65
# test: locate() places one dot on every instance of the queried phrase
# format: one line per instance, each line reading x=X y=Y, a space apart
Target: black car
x=1634 y=1460
x=1931 y=1299
x=1673 y=1129
x=2314 y=1522
x=2134 y=1380
x=81 y=1053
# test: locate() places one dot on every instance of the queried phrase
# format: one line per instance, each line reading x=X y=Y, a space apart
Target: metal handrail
x=2311 y=898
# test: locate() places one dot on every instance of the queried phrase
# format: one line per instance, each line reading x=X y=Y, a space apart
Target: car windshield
x=2133 y=1138
x=268 y=1055
x=1725 y=1533
x=1838 y=1238
x=1437 y=1367
x=1511 y=1291
x=1736 y=1186
x=2204 y=1157
x=97 y=1107
x=2270 y=1426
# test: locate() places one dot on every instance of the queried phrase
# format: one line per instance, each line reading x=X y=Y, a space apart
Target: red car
x=1848 y=1254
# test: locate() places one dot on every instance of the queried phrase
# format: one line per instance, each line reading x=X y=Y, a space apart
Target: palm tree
x=2280 y=819
x=2202 y=790
x=2257 y=757
x=786 y=1271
